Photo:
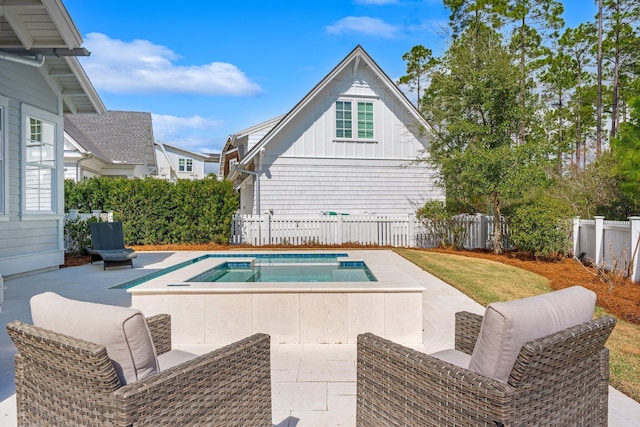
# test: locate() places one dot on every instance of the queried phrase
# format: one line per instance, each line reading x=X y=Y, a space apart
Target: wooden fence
x=612 y=245
x=474 y=231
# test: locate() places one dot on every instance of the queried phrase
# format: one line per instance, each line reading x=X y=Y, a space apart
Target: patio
x=312 y=384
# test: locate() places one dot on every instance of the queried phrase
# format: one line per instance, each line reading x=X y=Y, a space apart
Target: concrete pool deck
x=312 y=384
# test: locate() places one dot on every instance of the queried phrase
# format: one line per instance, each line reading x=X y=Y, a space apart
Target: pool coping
x=174 y=281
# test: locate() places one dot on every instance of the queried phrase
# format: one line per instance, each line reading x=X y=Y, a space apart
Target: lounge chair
x=537 y=361
x=107 y=244
x=87 y=364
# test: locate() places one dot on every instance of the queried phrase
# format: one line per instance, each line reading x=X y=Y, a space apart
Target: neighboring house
x=240 y=143
x=348 y=146
x=212 y=164
x=41 y=81
x=177 y=163
x=112 y=144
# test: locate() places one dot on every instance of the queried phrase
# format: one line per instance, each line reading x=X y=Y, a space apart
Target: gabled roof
x=360 y=56
x=43 y=27
x=121 y=136
x=244 y=132
x=184 y=151
x=86 y=144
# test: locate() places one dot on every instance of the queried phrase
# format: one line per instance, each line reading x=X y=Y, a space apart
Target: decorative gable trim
x=358 y=55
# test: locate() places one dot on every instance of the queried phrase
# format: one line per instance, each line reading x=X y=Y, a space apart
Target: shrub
x=155 y=211
x=77 y=235
x=542 y=227
x=443 y=229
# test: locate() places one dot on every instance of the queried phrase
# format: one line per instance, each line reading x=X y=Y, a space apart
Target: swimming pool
x=292 y=312
x=262 y=259
x=296 y=272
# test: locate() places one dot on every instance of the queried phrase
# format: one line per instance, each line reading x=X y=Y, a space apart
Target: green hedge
x=155 y=211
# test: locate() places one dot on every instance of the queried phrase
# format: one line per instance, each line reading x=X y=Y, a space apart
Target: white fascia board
x=86 y=84
x=63 y=22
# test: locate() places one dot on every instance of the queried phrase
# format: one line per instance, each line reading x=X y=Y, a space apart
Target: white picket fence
x=75 y=213
x=379 y=230
x=613 y=245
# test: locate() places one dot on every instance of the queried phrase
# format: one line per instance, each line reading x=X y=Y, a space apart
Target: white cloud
x=140 y=66
x=362 y=25
x=191 y=133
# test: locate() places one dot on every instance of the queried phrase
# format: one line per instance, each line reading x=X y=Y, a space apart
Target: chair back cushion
x=122 y=330
x=508 y=325
x=106 y=235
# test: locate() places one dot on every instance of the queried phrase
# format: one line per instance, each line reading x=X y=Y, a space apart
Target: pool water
x=291 y=267
x=229 y=272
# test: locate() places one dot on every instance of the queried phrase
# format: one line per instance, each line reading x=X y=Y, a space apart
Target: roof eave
x=85 y=83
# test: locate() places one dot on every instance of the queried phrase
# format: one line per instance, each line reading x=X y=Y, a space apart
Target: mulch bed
x=620 y=297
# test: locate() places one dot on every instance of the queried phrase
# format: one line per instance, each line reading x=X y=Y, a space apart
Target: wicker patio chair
x=560 y=379
x=66 y=381
x=107 y=244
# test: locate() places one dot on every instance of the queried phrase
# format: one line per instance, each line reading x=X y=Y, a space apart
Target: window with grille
x=185 y=165
x=362 y=127
x=40 y=164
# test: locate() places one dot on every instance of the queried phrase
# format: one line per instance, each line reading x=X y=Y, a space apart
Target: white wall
x=306 y=170
x=198 y=171
x=30 y=242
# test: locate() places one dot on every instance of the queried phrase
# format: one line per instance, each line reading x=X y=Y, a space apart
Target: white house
x=41 y=81
x=112 y=144
x=177 y=163
x=348 y=146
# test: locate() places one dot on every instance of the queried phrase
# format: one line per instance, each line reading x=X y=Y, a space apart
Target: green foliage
x=441 y=225
x=419 y=63
x=542 y=227
x=474 y=105
x=156 y=211
x=77 y=235
x=626 y=149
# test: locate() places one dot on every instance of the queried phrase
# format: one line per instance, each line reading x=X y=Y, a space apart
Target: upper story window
x=40 y=161
x=185 y=165
x=360 y=128
x=343 y=119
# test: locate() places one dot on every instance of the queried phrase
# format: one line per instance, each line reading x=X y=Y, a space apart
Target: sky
x=206 y=69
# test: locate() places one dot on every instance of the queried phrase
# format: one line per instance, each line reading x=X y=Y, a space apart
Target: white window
x=359 y=128
x=185 y=165
x=40 y=175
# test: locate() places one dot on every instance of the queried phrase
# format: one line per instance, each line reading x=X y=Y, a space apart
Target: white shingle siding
x=348 y=186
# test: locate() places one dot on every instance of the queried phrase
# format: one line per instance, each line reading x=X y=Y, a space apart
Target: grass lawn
x=488 y=281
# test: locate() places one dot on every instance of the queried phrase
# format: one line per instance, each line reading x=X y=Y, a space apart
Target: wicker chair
x=64 y=381
x=561 y=379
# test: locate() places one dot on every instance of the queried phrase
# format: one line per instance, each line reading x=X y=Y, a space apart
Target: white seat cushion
x=454 y=357
x=174 y=358
x=508 y=325
x=122 y=330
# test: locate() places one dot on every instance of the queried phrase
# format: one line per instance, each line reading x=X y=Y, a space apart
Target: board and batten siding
x=27 y=243
x=306 y=169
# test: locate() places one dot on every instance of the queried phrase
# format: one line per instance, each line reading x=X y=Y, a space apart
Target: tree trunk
x=560 y=134
x=579 y=120
x=523 y=86
x=615 y=99
x=599 y=106
x=497 y=224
